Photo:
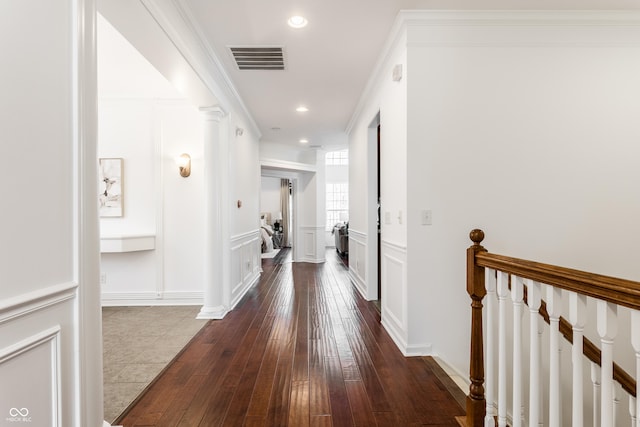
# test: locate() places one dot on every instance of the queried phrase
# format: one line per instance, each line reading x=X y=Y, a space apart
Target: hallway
x=301 y=349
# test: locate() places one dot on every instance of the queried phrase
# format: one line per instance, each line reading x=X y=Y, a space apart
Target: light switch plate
x=426 y=217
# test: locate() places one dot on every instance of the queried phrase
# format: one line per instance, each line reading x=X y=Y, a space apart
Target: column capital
x=214 y=113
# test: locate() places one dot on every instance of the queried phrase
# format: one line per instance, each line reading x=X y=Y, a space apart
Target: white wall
x=244 y=185
x=49 y=300
x=149 y=128
x=270 y=195
x=549 y=129
x=385 y=102
x=149 y=134
x=531 y=140
x=244 y=175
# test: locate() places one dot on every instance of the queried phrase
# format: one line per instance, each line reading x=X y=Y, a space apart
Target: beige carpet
x=138 y=342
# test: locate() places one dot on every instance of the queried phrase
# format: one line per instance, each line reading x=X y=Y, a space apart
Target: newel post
x=476 y=404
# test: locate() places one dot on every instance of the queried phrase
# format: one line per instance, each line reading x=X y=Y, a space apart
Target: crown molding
x=398 y=29
x=489 y=18
x=521 y=17
x=177 y=21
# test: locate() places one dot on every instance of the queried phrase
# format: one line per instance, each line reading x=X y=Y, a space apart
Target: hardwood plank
x=265 y=378
x=280 y=397
x=213 y=380
x=299 y=407
x=252 y=421
x=377 y=395
x=321 y=421
x=217 y=408
x=360 y=406
x=302 y=348
x=340 y=409
x=318 y=386
x=387 y=419
x=177 y=407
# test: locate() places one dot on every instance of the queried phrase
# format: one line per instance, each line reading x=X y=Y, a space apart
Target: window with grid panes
x=337 y=203
x=337 y=158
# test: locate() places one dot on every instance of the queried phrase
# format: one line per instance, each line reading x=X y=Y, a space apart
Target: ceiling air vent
x=258 y=58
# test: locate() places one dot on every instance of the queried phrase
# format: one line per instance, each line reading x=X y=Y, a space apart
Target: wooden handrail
x=610 y=289
x=614 y=290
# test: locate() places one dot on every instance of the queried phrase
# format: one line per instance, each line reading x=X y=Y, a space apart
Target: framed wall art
x=110 y=187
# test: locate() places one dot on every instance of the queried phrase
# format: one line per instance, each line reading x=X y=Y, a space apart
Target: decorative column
x=214 y=306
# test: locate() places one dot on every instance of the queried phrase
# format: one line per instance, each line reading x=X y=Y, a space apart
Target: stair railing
x=541 y=287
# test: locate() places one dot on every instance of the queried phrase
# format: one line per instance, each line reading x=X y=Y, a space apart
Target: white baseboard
x=151 y=298
x=360 y=285
x=406 y=349
x=217 y=312
x=458 y=377
x=243 y=290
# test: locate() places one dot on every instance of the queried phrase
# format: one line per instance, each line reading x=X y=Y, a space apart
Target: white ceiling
x=123 y=72
x=328 y=62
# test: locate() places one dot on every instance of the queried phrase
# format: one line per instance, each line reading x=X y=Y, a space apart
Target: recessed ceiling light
x=304 y=141
x=297 y=22
x=302 y=109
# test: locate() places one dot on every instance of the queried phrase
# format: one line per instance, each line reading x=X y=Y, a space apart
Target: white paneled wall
x=357 y=260
x=245 y=264
x=394 y=293
x=311 y=240
x=50 y=340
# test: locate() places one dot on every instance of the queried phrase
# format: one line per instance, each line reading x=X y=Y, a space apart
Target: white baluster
x=617 y=391
x=632 y=410
x=490 y=376
x=635 y=342
x=595 y=381
x=517 y=296
x=533 y=299
x=540 y=389
x=577 y=318
x=503 y=292
x=554 y=306
x=607 y=329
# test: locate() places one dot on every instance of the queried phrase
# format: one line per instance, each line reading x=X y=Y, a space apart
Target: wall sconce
x=184 y=164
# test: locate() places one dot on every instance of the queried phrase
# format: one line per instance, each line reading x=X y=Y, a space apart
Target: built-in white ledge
x=127 y=243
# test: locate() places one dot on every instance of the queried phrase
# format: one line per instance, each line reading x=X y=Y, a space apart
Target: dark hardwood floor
x=301 y=349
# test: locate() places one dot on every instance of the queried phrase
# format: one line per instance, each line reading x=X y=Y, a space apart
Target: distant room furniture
x=341 y=235
x=277 y=239
x=277 y=221
x=267 y=233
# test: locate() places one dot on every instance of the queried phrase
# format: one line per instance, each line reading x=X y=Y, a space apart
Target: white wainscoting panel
x=30 y=302
x=312 y=244
x=394 y=292
x=38 y=357
x=245 y=264
x=358 y=261
x=30 y=372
